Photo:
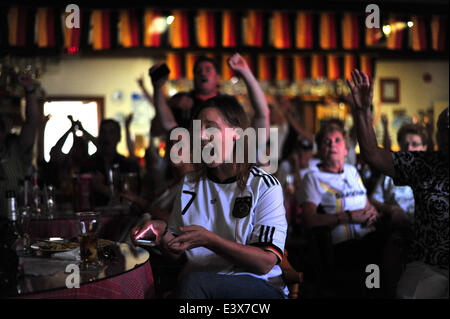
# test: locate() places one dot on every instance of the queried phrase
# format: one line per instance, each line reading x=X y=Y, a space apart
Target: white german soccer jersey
x=334 y=193
x=255 y=216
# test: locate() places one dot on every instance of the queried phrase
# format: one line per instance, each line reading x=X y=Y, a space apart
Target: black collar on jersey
x=210 y=175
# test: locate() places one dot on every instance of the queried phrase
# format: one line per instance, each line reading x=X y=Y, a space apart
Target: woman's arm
x=252 y=258
x=366 y=216
x=362 y=92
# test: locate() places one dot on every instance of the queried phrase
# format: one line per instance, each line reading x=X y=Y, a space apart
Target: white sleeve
x=270 y=224
x=310 y=190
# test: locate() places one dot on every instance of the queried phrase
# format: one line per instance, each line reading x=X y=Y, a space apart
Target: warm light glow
x=162 y=149
x=159 y=25
x=410 y=24
x=139 y=152
x=387 y=29
x=170 y=19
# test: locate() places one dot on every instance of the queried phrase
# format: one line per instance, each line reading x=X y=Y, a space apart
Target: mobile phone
x=159 y=72
x=144 y=242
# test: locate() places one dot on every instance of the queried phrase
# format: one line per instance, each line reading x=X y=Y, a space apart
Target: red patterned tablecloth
x=137 y=283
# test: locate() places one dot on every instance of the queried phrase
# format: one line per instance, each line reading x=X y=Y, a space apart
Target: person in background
x=105 y=159
x=333 y=196
x=399 y=200
x=228 y=219
x=61 y=167
x=177 y=112
x=397 y=204
x=426 y=271
x=16 y=151
x=297 y=164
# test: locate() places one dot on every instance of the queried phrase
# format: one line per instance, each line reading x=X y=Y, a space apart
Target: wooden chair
x=292 y=277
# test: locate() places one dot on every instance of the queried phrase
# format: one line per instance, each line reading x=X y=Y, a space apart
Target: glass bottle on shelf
x=36 y=196
x=13 y=219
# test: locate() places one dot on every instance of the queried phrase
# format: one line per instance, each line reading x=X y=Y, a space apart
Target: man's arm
x=163 y=110
x=130 y=143
x=255 y=93
x=29 y=129
x=362 y=92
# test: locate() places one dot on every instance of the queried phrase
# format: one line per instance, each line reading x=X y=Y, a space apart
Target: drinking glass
x=88 y=225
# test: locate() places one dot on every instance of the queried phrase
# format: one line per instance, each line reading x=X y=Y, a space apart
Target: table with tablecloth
x=128 y=277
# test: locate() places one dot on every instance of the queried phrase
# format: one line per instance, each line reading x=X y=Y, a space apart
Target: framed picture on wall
x=389 y=90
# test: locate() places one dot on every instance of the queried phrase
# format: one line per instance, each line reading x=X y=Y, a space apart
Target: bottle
x=50 y=201
x=14 y=239
x=27 y=191
x=36 y=195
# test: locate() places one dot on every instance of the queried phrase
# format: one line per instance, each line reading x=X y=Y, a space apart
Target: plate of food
x=55 y=245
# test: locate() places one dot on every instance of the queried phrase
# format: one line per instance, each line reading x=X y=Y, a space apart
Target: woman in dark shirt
x=426 y=273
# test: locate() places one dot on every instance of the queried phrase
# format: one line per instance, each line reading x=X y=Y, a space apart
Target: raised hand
x=238 y=64
x=160 y=81
x=362 y=90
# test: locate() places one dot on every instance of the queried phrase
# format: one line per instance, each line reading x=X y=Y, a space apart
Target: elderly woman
x=426 y=273
x=228 y=219
x=333 y=195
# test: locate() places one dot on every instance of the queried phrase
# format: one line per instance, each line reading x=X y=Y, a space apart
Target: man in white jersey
x=228 y=220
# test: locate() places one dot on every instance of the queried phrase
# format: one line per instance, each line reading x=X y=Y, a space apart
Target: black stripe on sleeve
x=271 y=234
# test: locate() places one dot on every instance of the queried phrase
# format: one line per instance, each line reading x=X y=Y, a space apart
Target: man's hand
x=238 y=64
x=161 y=81
x=190 y=237
x=26 y=81
x=362 y=90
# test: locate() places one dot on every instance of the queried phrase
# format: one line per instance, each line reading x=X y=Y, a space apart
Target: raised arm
x=147 y=95
x=362 y=92
x=163 y=110
x=32 y=117
x=130 y=143
x=88 y=136
x=257 y=98
x=294 y=123
x=386 y=137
